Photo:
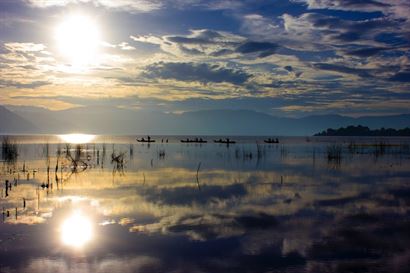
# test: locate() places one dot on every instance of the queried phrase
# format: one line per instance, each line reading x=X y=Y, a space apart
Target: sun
x=76 y=230
x=78 y=38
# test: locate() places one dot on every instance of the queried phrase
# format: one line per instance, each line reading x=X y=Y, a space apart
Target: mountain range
x=118 y=121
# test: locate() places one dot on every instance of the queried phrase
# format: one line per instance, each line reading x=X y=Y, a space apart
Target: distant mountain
x=45 y=120
x=104 y=120
x=13 y=123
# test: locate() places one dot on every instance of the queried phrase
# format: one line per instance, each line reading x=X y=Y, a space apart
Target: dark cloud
x=200 y=72
x=366 y=5
x=343 y=69
x=262 y=49
x=190 y=51
x=199 y=37
x=288 y=68
x=222 y=52
x=186 y=196
x=326 y=31
x=332 y=22
x=32 y=85
x=348 y=36
x=401 y=77
x=366 y=52
x=206 y=227
x=392 y=38
x=188 y=40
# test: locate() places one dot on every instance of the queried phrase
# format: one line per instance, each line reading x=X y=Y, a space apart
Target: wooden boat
x=193 y=141
x=227 y=141
x=271 y=141
x=145 y=140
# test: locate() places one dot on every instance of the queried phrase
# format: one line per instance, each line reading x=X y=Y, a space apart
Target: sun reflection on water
x=76 y=230
x=77 y=138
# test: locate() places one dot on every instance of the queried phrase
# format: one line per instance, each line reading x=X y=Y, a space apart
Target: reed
x=334 y=152
x=9 y=151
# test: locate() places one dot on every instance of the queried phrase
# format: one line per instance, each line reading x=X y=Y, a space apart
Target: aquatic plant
x=334 y=152
x=118 y=161
x=9 y=151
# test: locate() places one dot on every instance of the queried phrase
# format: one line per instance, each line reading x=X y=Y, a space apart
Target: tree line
x=364 y=131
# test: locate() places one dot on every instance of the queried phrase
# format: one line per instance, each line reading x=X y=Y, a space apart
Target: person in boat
x=142 y=139
x=149 y=138
x=227 y=140
x=200 y=140
x=277 y=140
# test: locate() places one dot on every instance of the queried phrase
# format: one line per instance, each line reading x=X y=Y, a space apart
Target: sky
x=281 y=57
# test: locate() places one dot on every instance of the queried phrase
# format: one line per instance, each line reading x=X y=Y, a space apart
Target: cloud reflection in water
x=289 y=214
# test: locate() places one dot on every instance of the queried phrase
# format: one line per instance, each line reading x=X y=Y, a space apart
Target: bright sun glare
x=78 y=37
x=76 y=230
x=77 y=138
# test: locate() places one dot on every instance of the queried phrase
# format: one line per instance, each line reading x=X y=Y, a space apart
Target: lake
x=316 y=204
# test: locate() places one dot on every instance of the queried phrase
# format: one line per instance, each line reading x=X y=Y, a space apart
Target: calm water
x=114 y=205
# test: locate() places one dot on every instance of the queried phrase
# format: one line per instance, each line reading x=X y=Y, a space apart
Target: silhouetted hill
x=364 y=131
x=13 y=123
x=104 y=120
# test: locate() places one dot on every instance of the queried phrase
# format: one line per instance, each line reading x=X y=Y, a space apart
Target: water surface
x=115 y=205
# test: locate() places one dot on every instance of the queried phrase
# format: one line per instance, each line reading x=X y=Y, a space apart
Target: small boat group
x=195 y=140
x=271 y=141
x=200 y=140
x=225 y=141
x=148 y=140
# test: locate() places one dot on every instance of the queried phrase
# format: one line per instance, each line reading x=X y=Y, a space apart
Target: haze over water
x=115 y=205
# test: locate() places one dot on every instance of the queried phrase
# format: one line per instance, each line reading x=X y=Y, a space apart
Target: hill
x=364 y=131
x=13 y=123
x=104 y=120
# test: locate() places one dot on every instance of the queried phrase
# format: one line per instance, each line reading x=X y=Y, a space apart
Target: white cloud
x=132 y=5
x=24 y=47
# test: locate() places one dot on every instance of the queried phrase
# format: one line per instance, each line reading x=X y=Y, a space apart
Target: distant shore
x=364 y=131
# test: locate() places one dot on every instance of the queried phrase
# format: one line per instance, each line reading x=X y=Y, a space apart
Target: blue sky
x=287 y=58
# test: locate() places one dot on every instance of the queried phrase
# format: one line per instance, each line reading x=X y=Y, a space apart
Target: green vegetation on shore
x=364 y=131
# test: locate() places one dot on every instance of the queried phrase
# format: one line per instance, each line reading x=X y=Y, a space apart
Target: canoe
x=193 y=141
x=271 y=142
x=145 y=140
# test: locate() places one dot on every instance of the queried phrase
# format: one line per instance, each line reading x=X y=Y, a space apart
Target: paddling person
x=149 y=138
